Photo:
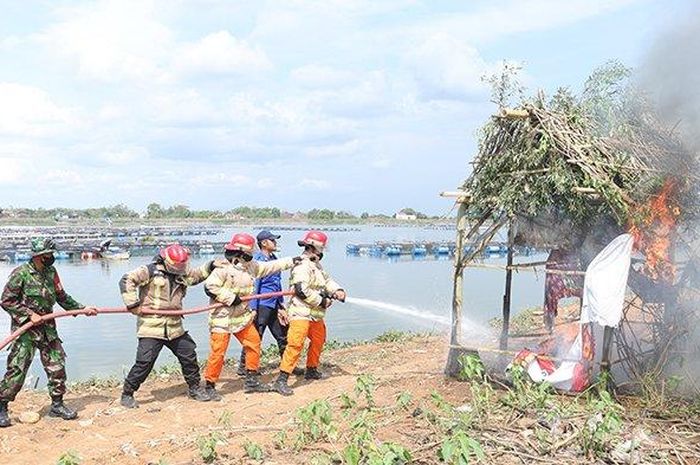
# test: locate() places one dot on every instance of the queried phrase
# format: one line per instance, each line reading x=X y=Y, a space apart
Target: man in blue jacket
x=270 y=312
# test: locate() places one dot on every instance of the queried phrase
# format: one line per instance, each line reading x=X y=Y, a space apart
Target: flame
x=654 y=231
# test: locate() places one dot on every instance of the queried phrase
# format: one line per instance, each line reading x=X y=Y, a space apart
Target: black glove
x=296 y=260
x=326 y=302
x=236 y=301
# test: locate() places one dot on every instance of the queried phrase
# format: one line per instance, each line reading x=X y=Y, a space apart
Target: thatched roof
x=545 y=165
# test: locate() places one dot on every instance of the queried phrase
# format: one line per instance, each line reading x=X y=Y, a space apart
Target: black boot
x=198 y=394
x=128 y=400
x=4 y=416
x=281 y=384
x=313 y=374
x=298 y=371
x=253 y=384
x=241 y=371
x=210 y=389
x=59 y=410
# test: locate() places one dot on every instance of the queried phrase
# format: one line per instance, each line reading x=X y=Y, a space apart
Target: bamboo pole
x=506 y=295
x=457 y=286
x=452 y=367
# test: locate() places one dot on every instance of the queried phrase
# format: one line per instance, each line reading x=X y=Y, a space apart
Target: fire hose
x=144 y=311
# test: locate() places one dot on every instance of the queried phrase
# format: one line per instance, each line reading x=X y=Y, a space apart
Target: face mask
x=230 y=256
x=48 y=260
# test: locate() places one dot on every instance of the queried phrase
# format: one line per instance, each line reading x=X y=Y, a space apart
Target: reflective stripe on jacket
x=237 y=279
x=311 y=279
x=150 y=286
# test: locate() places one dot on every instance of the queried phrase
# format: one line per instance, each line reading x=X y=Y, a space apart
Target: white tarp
x=603 y=299
x=605 y=283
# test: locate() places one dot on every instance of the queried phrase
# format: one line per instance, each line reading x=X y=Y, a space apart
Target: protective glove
x=135 y=309
x=296 y=260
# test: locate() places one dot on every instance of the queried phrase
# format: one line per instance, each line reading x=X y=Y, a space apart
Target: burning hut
x=571 y=173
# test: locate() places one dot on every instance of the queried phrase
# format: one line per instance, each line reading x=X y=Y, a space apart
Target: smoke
x=670 y=75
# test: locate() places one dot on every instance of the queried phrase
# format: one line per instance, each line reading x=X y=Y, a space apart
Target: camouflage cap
x=41 y=246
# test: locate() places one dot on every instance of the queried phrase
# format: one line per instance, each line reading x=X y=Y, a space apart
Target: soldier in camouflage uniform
x=31 y=291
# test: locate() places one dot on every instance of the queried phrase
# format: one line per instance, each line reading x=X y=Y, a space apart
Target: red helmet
x=175 y=258
x=241 y=241
x=315 y=239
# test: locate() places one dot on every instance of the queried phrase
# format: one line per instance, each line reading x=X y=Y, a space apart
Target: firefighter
x=162 y=285
x=226 y=285
x=31 y=291
x=314 y=292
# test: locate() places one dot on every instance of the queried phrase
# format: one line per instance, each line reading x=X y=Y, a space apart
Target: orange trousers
x=299 y=330
x=248 y=337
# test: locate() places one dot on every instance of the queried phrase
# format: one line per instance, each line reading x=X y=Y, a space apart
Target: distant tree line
x=157 y=211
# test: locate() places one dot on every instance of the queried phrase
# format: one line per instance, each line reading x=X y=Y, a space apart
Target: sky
x=358 y=105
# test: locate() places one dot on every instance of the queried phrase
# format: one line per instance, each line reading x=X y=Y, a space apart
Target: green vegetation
x=207 y=445
x=253 y=451
x=155 y=211
x=69 y=458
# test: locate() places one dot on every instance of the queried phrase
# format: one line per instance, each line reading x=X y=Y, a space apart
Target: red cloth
x=557 y=286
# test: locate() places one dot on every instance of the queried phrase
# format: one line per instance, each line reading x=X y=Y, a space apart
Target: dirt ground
x=166 y=427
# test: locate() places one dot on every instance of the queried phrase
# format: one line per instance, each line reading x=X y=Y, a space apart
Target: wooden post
x=506 y=294
x=605 y=359
x=607 y=344
x=452 y=368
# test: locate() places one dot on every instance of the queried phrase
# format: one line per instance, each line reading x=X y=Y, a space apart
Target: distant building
x=403 y=216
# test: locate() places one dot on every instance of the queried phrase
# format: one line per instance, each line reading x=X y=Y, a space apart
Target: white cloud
x=224 y=179
x=503 y=18
x=68 y=178
x=221 y=53
x=10 y=42
x=112 y=39
x=124 y=156
x=448 y=68
x=381 y=162
x=314 y=184
x=265 y=183
x=12 y=170
x=334 y=150
x=317 y=76
x=29 y=111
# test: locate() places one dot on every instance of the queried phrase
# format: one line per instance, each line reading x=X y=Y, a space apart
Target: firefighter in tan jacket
x=314 y=292
x=162 y=285
x=226 y=285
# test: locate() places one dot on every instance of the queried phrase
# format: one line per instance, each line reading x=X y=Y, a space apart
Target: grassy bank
x=386 y=403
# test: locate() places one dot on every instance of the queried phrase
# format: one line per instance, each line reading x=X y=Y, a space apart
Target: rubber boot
x=313 y=374
x=241 y=370
x=128 y=400
x=210 y=389
x=59 y=410
x=253 y=384
x=4 y=416
x=198 y=394
x=281 y=384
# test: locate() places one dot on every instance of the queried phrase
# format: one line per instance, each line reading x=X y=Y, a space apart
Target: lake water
x=408 y=294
